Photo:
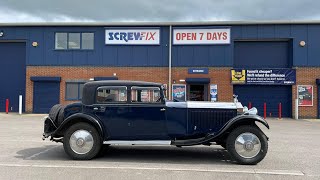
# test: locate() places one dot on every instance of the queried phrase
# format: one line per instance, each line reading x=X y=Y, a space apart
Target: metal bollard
x=7 y=106
x=280 y=110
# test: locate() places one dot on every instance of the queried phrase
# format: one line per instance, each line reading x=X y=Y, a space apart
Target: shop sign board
x=198 y=70
x=264 y=76
x=213 y=92
x=305 y=95
x=193 y=36
x=132 y=36
x=179 y=92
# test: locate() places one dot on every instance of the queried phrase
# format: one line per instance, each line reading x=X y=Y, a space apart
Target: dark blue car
x=137 y=113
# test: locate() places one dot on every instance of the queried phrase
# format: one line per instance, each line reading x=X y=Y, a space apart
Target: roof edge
x=143 y=23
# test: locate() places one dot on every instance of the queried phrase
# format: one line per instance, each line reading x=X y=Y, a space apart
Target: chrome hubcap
x=247 y=145
x=81 y=141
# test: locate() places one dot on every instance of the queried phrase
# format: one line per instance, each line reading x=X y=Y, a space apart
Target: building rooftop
x=194 y=23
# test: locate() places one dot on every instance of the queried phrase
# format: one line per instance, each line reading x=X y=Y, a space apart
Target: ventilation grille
x=209 y=119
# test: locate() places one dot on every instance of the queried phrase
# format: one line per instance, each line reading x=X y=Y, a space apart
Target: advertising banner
x=305 y=95
x=238 y=76
x=264 y=76
x=213 y=92
x=132 y=36
x=179 y=92
x=201 y=36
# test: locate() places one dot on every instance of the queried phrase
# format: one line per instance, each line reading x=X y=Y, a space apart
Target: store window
x=73 y=41
x=74 y=90
x=111 y=94
x=145 y=94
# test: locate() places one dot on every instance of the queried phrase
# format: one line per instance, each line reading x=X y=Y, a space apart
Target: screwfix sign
x=133 y=36
x=201 y=36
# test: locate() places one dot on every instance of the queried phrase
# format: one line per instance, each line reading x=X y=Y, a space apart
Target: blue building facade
x=41 y=58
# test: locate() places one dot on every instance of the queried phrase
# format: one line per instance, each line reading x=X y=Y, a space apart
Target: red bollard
x=7 y=106
x=249 y=105
x=280 y=110
x=265 y=110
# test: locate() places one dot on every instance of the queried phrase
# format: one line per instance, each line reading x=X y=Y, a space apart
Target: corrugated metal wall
x=157 y=55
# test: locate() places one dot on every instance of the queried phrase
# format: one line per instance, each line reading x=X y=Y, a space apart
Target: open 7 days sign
x=201 y=36
x=132 y=36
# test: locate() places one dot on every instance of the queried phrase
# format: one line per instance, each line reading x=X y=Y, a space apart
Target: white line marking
x=253 y=171
x=41 y=152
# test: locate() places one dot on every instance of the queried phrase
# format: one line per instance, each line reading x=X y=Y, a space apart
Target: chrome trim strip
x=196 y=104
x=138 y=142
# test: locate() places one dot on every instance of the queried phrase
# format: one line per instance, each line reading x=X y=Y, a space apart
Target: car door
x=111 y=108
x=147 y=114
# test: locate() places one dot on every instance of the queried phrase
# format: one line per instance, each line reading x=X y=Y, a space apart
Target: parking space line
x=41 y=152
x=249 y=171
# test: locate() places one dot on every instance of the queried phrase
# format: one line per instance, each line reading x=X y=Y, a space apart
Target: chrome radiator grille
x=209 y=119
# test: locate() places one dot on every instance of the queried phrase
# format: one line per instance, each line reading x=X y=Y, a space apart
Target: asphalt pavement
x=294 y=153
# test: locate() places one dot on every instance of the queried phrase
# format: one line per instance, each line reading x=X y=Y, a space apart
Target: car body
x=119 y=112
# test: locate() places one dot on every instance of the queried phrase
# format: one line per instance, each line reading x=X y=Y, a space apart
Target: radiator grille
x=210 y=119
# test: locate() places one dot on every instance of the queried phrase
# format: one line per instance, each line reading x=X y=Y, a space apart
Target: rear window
x=111 y=94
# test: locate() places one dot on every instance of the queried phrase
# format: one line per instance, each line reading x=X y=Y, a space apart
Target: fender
x=79 y=117
x=236 y=121
x=242 y=119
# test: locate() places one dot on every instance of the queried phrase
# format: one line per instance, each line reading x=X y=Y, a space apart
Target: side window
x=145 y=94
x=74 y=41
x=61 y=41
x=111 y=94
x=74 y=90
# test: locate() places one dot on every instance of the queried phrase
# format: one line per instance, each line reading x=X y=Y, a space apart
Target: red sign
x=305 y=95
x=201 y=36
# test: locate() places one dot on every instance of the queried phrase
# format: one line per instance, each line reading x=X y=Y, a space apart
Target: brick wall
x=306 y=76
x=219 y=76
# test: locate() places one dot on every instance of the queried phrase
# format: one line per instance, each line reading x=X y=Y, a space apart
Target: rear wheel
x=82 y=141
x=247 y=145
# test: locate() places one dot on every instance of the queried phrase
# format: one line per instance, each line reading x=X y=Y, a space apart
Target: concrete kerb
x=15 y=114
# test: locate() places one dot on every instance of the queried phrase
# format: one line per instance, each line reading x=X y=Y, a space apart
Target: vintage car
x=117 y=112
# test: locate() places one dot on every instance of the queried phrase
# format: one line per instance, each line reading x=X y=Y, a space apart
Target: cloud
x=155 y=10
x=11 y=16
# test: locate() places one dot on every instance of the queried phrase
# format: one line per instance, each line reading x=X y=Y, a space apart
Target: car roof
x=122 y=82
x=89 y=89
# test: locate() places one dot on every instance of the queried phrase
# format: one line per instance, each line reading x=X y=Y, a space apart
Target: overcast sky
x=156 y=10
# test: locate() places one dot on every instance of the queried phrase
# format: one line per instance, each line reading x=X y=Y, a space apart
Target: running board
x=151 y=142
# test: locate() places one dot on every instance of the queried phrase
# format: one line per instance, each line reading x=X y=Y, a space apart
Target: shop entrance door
x=198 y=92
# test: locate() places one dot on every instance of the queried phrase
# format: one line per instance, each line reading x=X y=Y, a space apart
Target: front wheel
x=82 y=141
x=247 y=145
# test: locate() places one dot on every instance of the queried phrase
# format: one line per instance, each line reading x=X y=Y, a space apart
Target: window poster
x=305 y=95
x=179 y=92
x=213 y=92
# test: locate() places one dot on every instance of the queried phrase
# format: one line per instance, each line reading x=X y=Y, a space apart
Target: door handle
x=95 y=108
x=163 y=109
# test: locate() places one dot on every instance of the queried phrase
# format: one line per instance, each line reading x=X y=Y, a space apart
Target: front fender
x=242 y=120
x=231 y=124
x=79 y=117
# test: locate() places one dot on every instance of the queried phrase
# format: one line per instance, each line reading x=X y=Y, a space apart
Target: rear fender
x=76 y=118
